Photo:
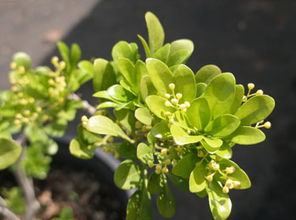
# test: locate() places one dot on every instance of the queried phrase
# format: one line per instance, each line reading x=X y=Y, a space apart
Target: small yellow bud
x=25 y=120
x=200 y=154
x=167 y=95
x=54 y=60
x=158 y=169
x=165 y=170
x=51 y=82
x=27 y=112
x=245 y=98
x=13 y=65
x=164 y=152
x=18 y=116
x=168 y=104
x=214 y=166
x=150 y=164
x=236 y=184
x=251 y=86
x=31 y=100
x=187 y=104
x=167 y=162
x=172 y=86
x=23 y=102
x=259 y=92
x=225 y=189
x=38 y=109
x=210 y=177
x=229 y=184
x=267 y=124
x=174 y=101
x=17 y=122
x=62 y=65
x=179 y=95
x=168 y=114
x=84 y=118
x=230 y=170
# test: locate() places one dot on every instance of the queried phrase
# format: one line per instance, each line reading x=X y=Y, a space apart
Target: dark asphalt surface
x=253 y=39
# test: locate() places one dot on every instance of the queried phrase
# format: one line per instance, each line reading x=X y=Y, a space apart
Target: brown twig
x=85 y=104
x=26 y=183
x=6 y=212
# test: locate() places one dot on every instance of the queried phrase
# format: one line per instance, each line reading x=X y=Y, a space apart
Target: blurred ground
x=253 y=39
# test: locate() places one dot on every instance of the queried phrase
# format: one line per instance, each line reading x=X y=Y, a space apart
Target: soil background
x=254 y=39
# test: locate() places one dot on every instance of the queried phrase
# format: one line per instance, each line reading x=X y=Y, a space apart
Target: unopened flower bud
x=165 y=170
x=13 y=65
x=172 y=86
x=229 y=184
x=236 y=184
x=54 y=60
x=164 y=152
x=84 y=118
x=187 y=104
x=167 y=95
x=214 y=166
x=168 y=103
x=251 y=86
x=267 y=124
x=27 y=112
x=210 y=177
x=179 y=95
x=62 y=65
x=225 y=189
x=167 y=162
x=230 y=170
x=259 y=92
x=174 y=101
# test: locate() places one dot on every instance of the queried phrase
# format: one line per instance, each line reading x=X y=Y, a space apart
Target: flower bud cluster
x=173 y=100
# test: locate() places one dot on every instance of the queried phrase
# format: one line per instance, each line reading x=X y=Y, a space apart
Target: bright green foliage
x=9 y=152
x=15 y=200
x=170 y=124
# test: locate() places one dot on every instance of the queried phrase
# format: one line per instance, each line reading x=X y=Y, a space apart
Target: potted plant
x=166 y=123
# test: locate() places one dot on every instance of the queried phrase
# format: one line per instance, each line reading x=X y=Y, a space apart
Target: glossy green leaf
x=126 y=118
x=127 y=175
x=126 y=150
x=80 y=150
x=118 y=93
x=180 y=51
x=154 y=183
x=200 y=88
x=184 y=166
x=220 y=203
x=213 y=142
x=124 y=49
x=237 y=175
x=160 y=75
x=104 y=75
x=185 y=82
x=145 y=46
x=197 y=181
x=75 y=54
x=255 y=109
x=163 y=53
x=155 y=32
x=127 y=69
x=140 y=71
x=160 y=130
x=199 y=113
x=181 y=137
x=179 y=182
x=139 y=206
x=146 y=87
x=145 y=153
x=9 y=152
x=207 y=73
x=238 y=98
x=166 y=203
x=102 y=125
x=247 y=135
x=220 y=94
x=144 y=116
x=223 y=125
x=157 y=106
x=225 y=151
